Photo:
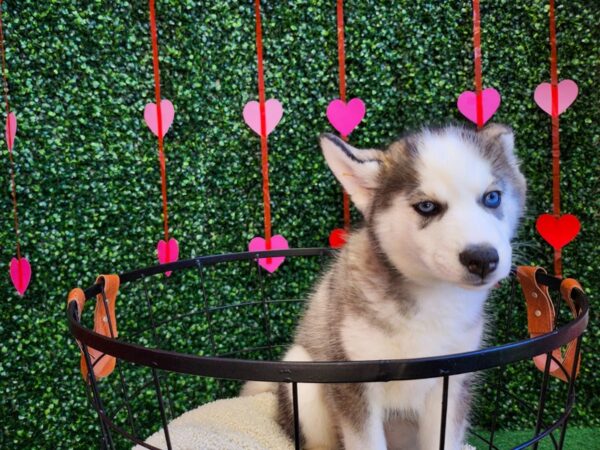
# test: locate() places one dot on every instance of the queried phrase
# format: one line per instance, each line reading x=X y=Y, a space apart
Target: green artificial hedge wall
x=87 y=173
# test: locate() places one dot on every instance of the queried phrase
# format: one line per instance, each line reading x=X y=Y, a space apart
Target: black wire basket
x=179 y=347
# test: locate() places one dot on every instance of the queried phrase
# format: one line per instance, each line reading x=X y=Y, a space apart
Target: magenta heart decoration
x=278 y=242
x=151 y=117
x=567 y=93
x=273 y=114
x=345 y=117
x=10 y=130
x=20 y=274
x=167 y=253
x=467 y=104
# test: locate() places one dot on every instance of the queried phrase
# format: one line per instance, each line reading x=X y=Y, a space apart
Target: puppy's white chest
x=441 y=323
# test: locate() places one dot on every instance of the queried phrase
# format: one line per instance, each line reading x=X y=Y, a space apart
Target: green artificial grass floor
x=577 y=439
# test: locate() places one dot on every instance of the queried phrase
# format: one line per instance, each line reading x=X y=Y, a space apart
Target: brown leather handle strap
x=540 y=309
x=105 y=323
x=541 y=319
x=77 y=295
x=567 y=286
x=566 y=290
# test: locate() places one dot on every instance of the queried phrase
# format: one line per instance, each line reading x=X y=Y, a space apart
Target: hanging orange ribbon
x=554 y=98
x=477 y=58
x=19 y=268
x=481 y=105
x=161 y=152
x=9 y=132
x=256 y=116
x=342 y=76
x=263 y=128
x=555 y=134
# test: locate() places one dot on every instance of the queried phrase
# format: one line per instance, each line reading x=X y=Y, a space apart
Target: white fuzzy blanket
x=244 y=423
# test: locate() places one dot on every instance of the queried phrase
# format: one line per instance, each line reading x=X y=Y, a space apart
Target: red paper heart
x=558 y=232
x=337 y=238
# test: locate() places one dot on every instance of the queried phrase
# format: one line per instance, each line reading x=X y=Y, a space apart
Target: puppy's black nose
x=479 y=259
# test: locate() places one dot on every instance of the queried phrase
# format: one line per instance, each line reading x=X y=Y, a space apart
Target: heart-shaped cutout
x=273 y=114
x=20 y=274
x=10 y=130
x=337 y=238
x=467 y=104
x=345 y=117
x=167 y=253
x=167 y=112
x=558 y=232
x=278 y=242
x=567 y=93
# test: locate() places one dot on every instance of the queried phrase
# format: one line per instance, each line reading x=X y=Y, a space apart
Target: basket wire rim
x=320 y=371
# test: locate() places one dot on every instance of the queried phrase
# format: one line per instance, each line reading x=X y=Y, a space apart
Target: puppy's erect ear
x=500 y=138
x=499 y=142
x=356 y=169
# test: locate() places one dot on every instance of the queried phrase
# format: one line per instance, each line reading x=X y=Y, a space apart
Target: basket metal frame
x=321 y=372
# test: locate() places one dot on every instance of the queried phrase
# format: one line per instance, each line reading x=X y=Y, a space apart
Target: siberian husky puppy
x=440 y=209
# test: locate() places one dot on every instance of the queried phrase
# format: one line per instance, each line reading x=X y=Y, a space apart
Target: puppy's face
x=441 y=204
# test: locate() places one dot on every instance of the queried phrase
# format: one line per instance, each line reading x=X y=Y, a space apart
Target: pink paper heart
x=151 y=117
x=167 y=253
x=273 y=111
x=10 y=130
x=20 y=274
x=467 y=104
x=278 y=242
x=567 y=93
x=345 y=117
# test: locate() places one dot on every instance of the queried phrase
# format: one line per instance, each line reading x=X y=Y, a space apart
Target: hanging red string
x=477 y=59
x=555 y=134
x=161 y=153
x=342 y=76
x=9 y=132
x=19 y=268
x=263 y=128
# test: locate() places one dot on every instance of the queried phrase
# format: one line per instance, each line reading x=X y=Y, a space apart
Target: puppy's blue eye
x=492 y=199
x=427 y=208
